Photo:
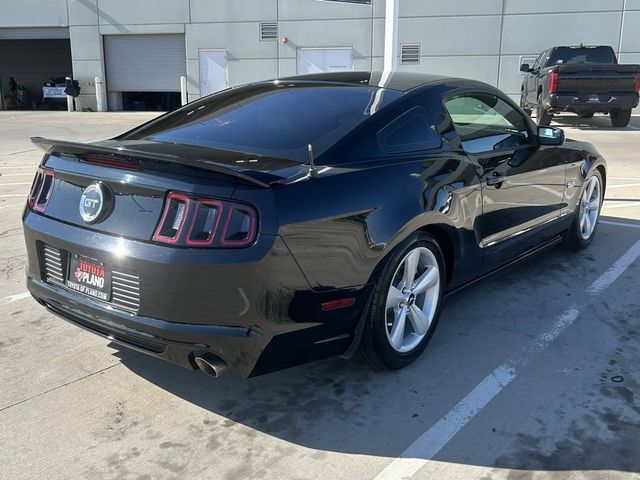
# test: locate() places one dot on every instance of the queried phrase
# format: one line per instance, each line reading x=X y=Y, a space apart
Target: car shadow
x=345 y=406
x=597 y=122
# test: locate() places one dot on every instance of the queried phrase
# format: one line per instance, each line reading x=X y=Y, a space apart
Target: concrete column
x=183 y=90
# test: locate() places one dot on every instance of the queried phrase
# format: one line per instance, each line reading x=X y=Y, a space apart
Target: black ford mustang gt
x=285 y=221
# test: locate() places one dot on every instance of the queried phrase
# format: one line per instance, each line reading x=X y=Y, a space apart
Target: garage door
x=144 y=63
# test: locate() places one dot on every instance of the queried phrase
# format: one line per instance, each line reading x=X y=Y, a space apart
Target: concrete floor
x=531 y=374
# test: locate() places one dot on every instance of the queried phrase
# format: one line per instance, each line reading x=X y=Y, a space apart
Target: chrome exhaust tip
x=210 y=364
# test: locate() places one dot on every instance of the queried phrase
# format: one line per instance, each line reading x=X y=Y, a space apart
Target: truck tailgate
x=596 y=78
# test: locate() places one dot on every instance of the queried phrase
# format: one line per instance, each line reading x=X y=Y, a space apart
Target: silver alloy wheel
x=413 y=294
x=589 y=207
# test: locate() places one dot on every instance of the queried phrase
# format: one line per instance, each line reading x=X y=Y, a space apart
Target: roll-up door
x=144 y=63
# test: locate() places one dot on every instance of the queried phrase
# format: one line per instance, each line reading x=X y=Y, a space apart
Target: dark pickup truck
x=583 y=80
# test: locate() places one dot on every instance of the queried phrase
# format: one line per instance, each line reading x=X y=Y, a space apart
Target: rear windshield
x=271 y=119
x=569 y=56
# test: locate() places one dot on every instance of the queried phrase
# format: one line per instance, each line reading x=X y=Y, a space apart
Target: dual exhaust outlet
x=210 y=364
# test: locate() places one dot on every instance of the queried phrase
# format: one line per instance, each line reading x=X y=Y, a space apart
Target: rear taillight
x=553 y=82
x=637 y=85
x=206 y=222
x=41 y=190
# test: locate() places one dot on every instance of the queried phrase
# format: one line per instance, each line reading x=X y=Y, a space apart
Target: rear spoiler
x=249 y=176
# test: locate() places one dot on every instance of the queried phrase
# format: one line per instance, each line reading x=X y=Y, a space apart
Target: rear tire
x=406 y=304
x=620 y=118
x=542 y=116
x=584 y=225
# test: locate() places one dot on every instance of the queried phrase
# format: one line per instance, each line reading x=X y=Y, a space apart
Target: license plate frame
x=88 y=276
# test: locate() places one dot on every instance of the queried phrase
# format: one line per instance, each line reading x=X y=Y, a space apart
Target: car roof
x=400 y=81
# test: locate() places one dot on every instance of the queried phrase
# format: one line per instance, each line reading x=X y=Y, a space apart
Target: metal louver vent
x=125 y=291
x=268 y=31
x=410 y=53
x=53 y=265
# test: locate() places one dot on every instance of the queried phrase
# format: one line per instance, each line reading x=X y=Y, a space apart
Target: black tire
x=375 y=347
x=574 y=239
x=620 y=118
x=585 y=114
x=542 y=116
x=523 y=103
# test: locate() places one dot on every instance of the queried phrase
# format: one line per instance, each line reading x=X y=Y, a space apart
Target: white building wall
x=467 y=38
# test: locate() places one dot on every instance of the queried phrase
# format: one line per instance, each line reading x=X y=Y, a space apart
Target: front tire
x=406 y=304
x=620 y=118
x=585 y=223
x=543 y=117
x=523 y=103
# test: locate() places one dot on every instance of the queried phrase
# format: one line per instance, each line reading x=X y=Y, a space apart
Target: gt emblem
x=571 y=184
x=92 y=202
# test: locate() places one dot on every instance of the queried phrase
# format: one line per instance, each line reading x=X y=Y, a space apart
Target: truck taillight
x=41 y=190
x=637 y=85
x=206 y=222
x=553 y=82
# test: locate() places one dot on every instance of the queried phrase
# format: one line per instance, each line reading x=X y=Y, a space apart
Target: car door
x=522 y=182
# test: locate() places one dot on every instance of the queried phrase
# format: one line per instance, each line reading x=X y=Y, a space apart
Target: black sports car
x=289 y=220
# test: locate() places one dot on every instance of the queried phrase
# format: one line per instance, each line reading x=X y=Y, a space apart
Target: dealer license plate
x=89 y=276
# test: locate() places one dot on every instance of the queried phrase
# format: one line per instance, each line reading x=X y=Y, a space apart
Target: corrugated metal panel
x=144 y=63
x=33 y=33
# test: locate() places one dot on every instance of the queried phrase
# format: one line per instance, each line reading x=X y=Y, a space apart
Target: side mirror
x=550 y=136
x=525 y=68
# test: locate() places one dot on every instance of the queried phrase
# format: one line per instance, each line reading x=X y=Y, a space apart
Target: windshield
x=569 y=56
x=273 y=119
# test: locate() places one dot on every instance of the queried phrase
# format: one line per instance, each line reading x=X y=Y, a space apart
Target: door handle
x=496 y=179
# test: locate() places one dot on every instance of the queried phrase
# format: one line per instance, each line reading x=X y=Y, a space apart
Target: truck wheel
x=543 y=117
x=620 y=118
x=523 y=103
x=585 y=114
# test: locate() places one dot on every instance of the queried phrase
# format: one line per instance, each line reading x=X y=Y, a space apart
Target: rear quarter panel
x=340 y=225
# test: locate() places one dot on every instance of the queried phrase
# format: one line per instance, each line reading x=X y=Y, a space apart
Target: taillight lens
x=553 y=82
x=637 y=86
x=206 y=222
x=41 y=190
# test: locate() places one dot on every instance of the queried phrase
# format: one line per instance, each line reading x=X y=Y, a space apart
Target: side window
x=410 y=132
x=486 y=123
x=538 y=62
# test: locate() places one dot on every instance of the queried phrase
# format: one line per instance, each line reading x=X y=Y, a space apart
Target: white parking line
x=620 y=224
x=7 y=195
x=15 y=174
x=12 y=205
x=621 y=205
x=427 y=445
x=16 y=297
x=623 y=185
x=13 y=184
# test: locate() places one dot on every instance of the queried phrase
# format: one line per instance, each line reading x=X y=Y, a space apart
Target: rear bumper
x=252 y=307
x=583 y=103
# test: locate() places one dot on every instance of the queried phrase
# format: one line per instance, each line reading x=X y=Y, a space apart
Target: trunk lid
x=140 y=174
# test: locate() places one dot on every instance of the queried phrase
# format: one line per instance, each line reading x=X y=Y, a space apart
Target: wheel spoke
x=587 y=224
x=582 y=221
x=410 y=268
x=591 y=186
x=595 y=203
x=394 y=297
x=419 y=320
x=427 y=280
x=397 y=330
